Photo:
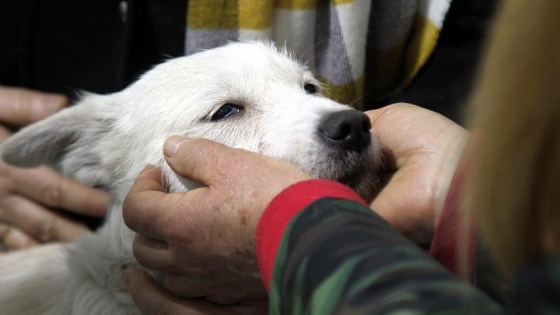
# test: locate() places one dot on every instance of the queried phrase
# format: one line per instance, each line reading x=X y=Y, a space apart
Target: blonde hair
x=516 y=105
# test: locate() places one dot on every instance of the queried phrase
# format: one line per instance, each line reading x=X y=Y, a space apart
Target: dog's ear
x=66 y=140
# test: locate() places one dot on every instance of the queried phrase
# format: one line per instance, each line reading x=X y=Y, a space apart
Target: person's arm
x=322 y=250
x=338 y=257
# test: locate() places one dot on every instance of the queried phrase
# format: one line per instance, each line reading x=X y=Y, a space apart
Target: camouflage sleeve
x=338 y=257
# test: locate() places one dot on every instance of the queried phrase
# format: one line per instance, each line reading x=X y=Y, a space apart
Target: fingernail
x=172 y=144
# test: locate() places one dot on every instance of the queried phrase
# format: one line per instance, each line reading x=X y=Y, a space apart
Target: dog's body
x=245 y=95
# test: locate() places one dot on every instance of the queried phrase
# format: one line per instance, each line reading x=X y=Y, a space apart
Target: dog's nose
x=349 y=129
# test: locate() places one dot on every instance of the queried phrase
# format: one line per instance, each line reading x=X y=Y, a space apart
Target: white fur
x=105 y=140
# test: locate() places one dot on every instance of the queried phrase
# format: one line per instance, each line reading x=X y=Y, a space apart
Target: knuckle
x=8 y=204
x=184 y=238
x=131 y=214
x=138 y=252
x=26 y=107
x=129 y=204
x=35 y=230
x=47 y=230
x=53 y=194
x=5 y=175
x=167 y=309
x=24 y=103
x=190 y=289
x=23 y=243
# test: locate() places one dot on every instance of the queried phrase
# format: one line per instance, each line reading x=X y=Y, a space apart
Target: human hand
x=27 y=196
x=424 y=149
x=20 y=107
x=152 y=299
x=204 y=239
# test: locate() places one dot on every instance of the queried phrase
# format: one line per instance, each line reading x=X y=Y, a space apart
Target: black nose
x=349 y=129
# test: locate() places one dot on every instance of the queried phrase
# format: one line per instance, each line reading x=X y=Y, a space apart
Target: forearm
x=338 y=256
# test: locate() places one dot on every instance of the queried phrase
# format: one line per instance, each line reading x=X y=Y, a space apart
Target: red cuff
x=453 y=243
x=453 y=236
x=283 y=208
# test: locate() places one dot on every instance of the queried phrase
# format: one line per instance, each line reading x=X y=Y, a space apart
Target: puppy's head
x=245 y=95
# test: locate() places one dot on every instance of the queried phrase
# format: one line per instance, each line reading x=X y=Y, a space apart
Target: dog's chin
x=366 y=188
x=357 y=171
x=365 y=182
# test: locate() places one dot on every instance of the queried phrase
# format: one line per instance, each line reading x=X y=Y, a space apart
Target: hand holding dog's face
x=423 y=149
x=204 y=239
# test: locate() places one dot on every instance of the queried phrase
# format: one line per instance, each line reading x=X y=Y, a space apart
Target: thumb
x=20 y=106
x=195 y=159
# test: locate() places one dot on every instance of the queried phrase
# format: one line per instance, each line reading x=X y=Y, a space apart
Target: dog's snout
x=349 y=129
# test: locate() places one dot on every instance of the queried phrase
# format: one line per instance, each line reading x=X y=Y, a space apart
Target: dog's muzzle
x=348 y=130
x=348 y=153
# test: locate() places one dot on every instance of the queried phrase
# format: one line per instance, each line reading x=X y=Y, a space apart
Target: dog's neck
x=112 y=244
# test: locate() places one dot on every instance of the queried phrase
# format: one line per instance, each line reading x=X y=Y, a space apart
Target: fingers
x=144 y=201
x=218 y=290
x=149 y=180
x=13 y=238
x=153 y=254
x=4 y=133
x=49 y=188
x=423 y=148
x=20 y=106
x=149 y=298
x=214 y=164
x=25 y=198
x=38 y=222
x=395 y=126
x=152 y=299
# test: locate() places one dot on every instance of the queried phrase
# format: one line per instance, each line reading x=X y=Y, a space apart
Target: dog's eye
x=310 y=88
x=226 y=111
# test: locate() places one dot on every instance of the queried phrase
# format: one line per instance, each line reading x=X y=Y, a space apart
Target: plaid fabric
x=354 y=46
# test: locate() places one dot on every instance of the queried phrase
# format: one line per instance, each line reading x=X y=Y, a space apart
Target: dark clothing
x=336 y=256
x=444 y=83
x=101 y=46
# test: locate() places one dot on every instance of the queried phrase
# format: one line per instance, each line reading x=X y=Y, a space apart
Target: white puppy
x=246 y=95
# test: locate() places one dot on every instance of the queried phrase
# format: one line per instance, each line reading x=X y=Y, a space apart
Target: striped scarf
x=356 y=47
